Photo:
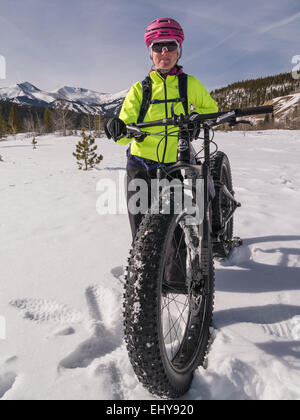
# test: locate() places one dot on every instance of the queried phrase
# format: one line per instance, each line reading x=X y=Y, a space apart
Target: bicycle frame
x=170 y=282
x=206 y=122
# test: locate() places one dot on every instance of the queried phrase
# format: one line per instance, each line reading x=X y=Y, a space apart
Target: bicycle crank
x=236 y=241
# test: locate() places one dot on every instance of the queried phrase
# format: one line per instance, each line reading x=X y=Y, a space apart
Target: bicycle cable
x=211 y=141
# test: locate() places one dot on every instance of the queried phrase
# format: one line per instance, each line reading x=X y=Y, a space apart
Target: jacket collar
x=175 y=71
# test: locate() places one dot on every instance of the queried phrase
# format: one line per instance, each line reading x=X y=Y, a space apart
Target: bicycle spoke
x=175 y=325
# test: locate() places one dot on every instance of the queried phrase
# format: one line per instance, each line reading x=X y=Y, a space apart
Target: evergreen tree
x=3 y=126
x=34 y=142
x=14 y=122
x=49 y=126
x=86 y=152
x=98 y=125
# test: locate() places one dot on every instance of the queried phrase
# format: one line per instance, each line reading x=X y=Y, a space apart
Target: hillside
x=255 y=92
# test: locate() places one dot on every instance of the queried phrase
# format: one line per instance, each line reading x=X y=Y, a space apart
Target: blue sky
x=98 y=44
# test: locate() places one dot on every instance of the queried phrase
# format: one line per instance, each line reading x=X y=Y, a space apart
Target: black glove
x=194 y=126
x=115 y=128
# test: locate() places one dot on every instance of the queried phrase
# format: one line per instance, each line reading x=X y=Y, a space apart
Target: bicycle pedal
x=236 y=241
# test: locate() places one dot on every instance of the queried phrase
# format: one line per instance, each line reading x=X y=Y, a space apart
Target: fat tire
x=142 y=323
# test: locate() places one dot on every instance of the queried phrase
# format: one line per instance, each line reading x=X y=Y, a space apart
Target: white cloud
x=279 y=23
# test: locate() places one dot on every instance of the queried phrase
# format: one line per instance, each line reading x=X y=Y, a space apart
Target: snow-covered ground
x=61 y=267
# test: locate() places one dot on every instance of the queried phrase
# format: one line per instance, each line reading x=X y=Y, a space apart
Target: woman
x=169 y=88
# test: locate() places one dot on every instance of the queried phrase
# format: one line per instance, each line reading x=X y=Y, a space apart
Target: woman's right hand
x=115 y=128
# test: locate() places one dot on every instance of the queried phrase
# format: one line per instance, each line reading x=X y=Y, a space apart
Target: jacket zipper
x=166 y=129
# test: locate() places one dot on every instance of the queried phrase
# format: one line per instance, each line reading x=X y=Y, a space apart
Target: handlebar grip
x=256 y=110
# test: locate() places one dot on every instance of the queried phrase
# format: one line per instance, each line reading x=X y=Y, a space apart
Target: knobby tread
x=141 y=312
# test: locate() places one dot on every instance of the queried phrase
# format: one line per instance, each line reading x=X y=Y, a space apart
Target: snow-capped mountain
x=75 y=98
x=26 y=94
x=281 y=91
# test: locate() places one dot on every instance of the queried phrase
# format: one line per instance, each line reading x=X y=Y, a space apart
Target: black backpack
x=147 y=96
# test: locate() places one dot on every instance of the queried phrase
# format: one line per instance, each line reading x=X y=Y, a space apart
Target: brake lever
x=136 y=133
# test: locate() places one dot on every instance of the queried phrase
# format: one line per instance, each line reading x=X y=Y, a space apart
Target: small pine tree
x=1 y=159
x=86 y=152
x=3 y=126
x=34 y=142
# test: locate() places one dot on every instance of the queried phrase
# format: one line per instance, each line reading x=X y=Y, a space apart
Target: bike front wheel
x=168 y=304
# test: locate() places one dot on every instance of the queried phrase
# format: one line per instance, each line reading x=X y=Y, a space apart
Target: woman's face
x=165 y=60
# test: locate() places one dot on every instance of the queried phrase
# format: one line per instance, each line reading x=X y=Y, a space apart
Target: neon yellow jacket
x=199 y=100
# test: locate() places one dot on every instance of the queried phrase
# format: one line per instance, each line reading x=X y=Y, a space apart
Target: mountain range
x=75 y=98
x=282 y=91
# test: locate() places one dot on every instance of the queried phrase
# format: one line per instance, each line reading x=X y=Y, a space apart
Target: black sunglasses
x=159 y=46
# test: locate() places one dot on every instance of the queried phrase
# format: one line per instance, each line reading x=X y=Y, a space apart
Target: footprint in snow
x=103 y=319
x=118 y=273
x=111 y=375
x=7 y=381
x=105 y=337
x=47 y=311
x=289 y=330
x=287 y=182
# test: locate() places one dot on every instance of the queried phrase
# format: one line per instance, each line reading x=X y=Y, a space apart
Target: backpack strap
x=147 y=94
x=183 y=91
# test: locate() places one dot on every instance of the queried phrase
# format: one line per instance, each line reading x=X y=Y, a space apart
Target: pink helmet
x=163 y=28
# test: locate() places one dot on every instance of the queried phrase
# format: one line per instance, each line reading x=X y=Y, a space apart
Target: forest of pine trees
x=38 y=120
x=255 y=92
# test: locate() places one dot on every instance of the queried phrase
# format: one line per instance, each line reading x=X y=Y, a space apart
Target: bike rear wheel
x=166 y=327
x=221 y=205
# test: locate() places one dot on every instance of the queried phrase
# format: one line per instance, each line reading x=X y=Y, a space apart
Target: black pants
x=136 y=171
x=175 y=268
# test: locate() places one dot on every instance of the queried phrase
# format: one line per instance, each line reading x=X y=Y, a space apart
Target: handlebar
x=235 y=113
x=257 y=110
x=212 y=120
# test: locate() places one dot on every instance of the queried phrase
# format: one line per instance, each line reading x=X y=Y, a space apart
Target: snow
x=61 y=271
x=25 y=89
x=79 y=96
x=284 y=104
